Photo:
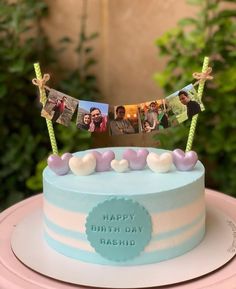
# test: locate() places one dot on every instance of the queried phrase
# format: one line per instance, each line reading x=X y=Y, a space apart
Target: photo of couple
x=92 y=116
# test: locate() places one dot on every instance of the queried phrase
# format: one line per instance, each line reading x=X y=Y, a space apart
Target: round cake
x=122 y=219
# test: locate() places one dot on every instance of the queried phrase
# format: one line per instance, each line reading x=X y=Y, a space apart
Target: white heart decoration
x=159 y=163
x=120 y=166
x=83 y=166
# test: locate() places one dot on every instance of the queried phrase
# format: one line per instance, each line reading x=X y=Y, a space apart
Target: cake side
x=174 y=201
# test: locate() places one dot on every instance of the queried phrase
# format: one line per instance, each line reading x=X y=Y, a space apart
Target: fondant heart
x=83 y=166
x=103 y=160
x=120 y=166
x=59 y=165
x=136 y=159
x=159 y=163
x=184 y=161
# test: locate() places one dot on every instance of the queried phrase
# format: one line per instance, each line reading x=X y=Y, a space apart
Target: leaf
x=212 y=5
x=18 y=66
x=164 y=40
x=231 y=1
x=65 y=39
x=226 y=14
x=92 y=36
x=3 y=91
x=162 y=78
x=195 y=2
x=90 y=62
x=14 y=197
x=88 y=49
x=226 y=80
x=35 y=182
x=188 y=21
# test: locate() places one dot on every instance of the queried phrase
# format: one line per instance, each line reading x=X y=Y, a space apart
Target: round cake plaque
x=119 y=229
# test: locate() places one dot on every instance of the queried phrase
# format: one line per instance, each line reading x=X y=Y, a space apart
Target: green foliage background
x=211 y=33
x=24 y=139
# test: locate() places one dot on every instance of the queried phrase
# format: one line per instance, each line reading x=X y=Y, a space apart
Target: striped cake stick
x=40 y=81
x=201 y=79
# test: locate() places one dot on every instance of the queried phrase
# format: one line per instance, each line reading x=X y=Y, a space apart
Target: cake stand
x=15 y=275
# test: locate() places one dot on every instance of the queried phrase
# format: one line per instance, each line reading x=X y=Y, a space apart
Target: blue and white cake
x=122 y=219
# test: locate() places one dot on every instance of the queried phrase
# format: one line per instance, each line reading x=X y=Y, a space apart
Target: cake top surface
x=133 y=182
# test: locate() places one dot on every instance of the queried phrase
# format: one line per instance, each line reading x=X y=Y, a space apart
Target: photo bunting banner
x=153 y=115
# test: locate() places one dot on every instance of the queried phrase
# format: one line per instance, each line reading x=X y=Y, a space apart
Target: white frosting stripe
x=177 y=239
x=82 y=245
x=162 y=222
x=65 y=219
x=171 y=220
x=153 y=246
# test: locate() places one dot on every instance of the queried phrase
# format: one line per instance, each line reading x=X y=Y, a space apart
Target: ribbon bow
x=41 y=82
x=203 y=75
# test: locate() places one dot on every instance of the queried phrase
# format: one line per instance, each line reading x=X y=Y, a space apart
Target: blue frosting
x=144 y=258
x=155 y=191
x=113 y=183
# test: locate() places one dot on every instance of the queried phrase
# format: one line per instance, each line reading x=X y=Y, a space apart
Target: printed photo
x=59 y=107
x=92 y=116
x=184 y=103
x=124 y=120
x=153 y=115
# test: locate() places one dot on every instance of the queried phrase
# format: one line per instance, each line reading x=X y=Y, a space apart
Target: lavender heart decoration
x=184 y=161
x=103 y=160
x=59 y=165
x=136 y=159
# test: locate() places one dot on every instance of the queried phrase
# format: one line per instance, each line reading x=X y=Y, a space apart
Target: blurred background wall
x=125 y=49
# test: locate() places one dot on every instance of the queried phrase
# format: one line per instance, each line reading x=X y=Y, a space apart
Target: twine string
x=41 y=83
x=202 y=76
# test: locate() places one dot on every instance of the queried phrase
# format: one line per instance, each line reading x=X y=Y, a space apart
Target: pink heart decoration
x=59 y=165
x=136 y=159
x=184 y=161
x=103 y=160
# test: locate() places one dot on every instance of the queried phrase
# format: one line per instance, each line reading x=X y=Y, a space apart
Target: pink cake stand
x=15 y=275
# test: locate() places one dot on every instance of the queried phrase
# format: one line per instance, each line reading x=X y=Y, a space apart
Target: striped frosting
x=166 y=241
x=161 y=222
x=143 y=258
x=175 y=202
